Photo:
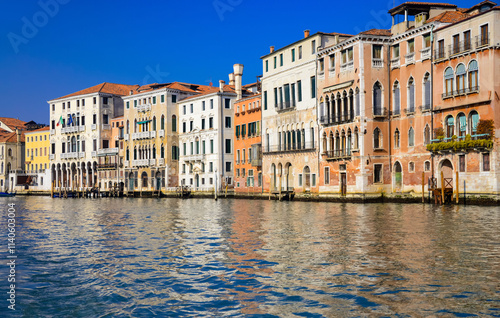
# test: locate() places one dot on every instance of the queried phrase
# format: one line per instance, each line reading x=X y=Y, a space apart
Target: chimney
x=231 y=79
x=306 y=33
x=221 y=85
x=272 y=49
x=238 y=74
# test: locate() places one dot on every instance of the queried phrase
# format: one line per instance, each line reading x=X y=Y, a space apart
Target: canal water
x=237 y=258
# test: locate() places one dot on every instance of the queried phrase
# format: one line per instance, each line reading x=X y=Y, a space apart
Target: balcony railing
x=307 y=146
x=94 y=127
x=347 y=66
x=94 y=154
x=482 y=40
x=196 y=157
x=161 y=133
x=285 y=106
x=338 y=154
x=461 y=143
x=460 y=47
x=107 y=166
x=70 y=155
x=439 y=54
x=126 y=164
x=107 y=151
x=460 y=92
x=106 y=126
x=52 y=131
x=141 y=135
x=410 y=58
x=127 y=137
x=377 y=63
x=330 y=120
x=153 y=134
x=425 y=53
x=395 y=62
x=51 y=157
x=69 y=130
x=256 y=162
x=140 y=163
x=144 y=108
x=81 y=155
x=161 y=161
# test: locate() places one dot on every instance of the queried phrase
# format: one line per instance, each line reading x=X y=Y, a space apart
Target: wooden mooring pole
x=423 y=187
x=456 y=200
x=442 y=188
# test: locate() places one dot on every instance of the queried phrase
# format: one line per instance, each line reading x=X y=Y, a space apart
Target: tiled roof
x=13 y=123
x=212 y=90
x=6 y=136
x=46 y=128
x=108 y=88
x=381 y=32
x=412 y=4
x=185 y=87
x=477 y=6
x=448 y=17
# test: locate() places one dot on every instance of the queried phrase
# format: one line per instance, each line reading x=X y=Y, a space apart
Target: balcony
x=161 y=161
x=144 y=108
x=70 y=155
x=94 y=127
x=480 y=142
x=395 y=63
x=256 y=162
x=285 y=106
x=197 y=157
x=69 y=130
x=460 y=92
x=126 y=163
x=161 y=133
x=152 y=134
x=140 y=163
x=127 y=137
x=460 y=47
x=377 y=63
x=482 y=40
x=107 y=152
x=410 y=111
x=106 y=126
x=81 y=155
x=308 y=146
x=52 y=131
x=339 y=154
x=337 y=120
x=410 y=58
x=107 y=166
x=94 y=154
x=425 y=108
x=348 y=66
x=439 y=54
x=425 y=53
x=141 y=135
x=51 y=157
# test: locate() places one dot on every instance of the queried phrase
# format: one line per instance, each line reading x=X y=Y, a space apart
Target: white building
x=80 y=127
x=206 y=135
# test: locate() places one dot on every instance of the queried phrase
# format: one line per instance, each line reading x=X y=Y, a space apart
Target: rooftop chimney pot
x=306 y=33
x=272 y=49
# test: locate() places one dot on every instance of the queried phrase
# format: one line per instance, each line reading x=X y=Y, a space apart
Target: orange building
x=247 y=145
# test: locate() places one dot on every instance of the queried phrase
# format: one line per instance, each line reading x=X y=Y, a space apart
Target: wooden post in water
x=456 y=200
x=423 y=187
x=52 y=190
x=442 y=187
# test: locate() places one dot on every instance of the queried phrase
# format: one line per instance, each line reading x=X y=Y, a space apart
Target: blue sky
x=51 y=48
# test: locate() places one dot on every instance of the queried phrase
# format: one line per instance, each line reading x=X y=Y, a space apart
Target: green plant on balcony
x=458 y=145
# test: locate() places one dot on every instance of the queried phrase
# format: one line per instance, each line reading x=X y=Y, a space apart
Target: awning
x=144 y=121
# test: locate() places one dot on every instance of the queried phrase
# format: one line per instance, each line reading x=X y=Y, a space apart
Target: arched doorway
x=144 y=177
x=273 y=177
x=307 y=178
x=280 y=176
x=398 y=177
x=446 y=167
x=158 y=180
x=288 y=176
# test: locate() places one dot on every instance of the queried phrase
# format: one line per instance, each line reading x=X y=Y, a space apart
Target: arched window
x=73 y=144
x=411 y=95
x=462 y=124
x=174 y=123
x=377 y=99
x=351 y=104
x=325 y=147
x=397 y=98
x=337 y=143
x=473 y=121
x=135 y=153
x=127 y=154
x=396 y=139
x=473 y=76
x=332 y=110
x=377 y=142
x=144 y=178
x=356 y=138
x=427 y=135
x=154 y=152
x=427 y=91
x=135 y=125
x=128 y=127
x=450 y=125
x=411 y=137
x=154 y=123
x=448 y=78
x=349 y=142
x=339 y=109
x=461 y=78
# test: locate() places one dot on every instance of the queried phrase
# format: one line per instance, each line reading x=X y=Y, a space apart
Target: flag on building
x=70 y=120
x=60 y=121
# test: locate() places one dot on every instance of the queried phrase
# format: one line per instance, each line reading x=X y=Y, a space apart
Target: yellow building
x=37 y=145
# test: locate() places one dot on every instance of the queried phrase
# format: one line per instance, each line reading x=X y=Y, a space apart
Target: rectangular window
x=486 y=162
x=321 y=65
x=440 y=49
x=184 y=127
x=332 y=61
x=313 y=87
x=191 y=108
x=203 y=147
x=211 y=146
x=174 y=98
x=461 y=163
x=184 y=110
x=228 y=169
x=281 y=59
x=456 y=44
x=427 y=40
x=275 y=62
x=211 y=167
x=293 y=55
x=467 y=45
x=300 y=179
x=411 y=46
x=300 y=52
x=203 y=123
x=377 y=173
x=228 y=146
x=104 y=101
x=128 y=105
x=267 y=65
x=484 y=36
x=211 y=104
x=227 y=103
x=184 y=149
x=203 y=105
x=237 y=131
x=162 y=98
x=105 y=119
x=377 y=52
x=228 y=122
x=265 y=100
x=313 y=46
x=83 y=102
x=154 y=100
x=327 y=175
x=395 y=51
x=210 y=122
x=95 y=100
x=299 y=91
x=191 y=126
